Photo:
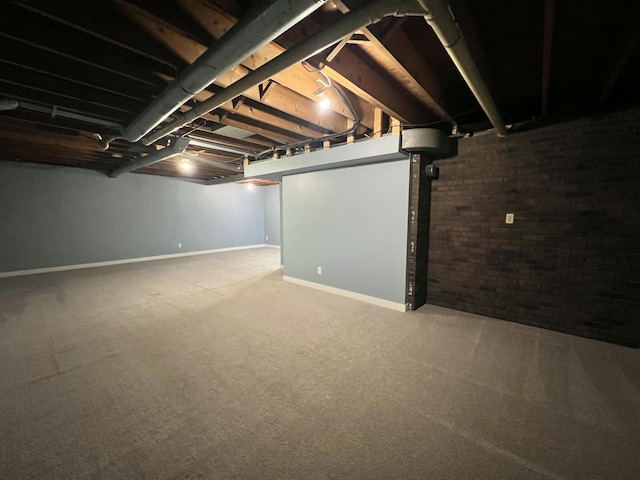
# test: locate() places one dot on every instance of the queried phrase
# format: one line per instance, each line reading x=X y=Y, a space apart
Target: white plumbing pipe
x=440 y=18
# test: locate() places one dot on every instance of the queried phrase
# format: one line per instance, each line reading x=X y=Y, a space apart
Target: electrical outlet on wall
x=319 y=270
x=179 y=245
x=509 y=218
x=266 y=238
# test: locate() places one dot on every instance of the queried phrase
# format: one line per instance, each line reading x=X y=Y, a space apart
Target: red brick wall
x=571 y=260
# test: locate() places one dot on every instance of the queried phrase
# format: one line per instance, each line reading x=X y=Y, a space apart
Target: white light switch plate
x=509 y=218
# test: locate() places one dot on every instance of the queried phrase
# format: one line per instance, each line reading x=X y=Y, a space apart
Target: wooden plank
x=61 y=142
x=377 y=123
x=395 y=126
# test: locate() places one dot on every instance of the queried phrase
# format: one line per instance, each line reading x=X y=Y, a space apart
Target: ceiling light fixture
x=324 y=103
x=186 y=166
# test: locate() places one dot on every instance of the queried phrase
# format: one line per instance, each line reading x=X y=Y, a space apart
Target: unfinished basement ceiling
x=74 y=73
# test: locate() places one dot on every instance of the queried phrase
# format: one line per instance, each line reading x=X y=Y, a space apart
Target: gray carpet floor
x=213 y=367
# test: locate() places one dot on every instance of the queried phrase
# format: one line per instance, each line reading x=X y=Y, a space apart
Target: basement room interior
x=311 y=239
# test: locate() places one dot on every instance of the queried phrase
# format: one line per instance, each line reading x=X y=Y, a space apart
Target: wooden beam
x=377 y=123
x=400 y=58
x=63 y=41
x=279 y=97
x=630 y=40
x=296 y=78
x=547 y=42
x=251 y=125
x=53 y=83
x=59 y=141
x=248 y=143
x=28 y=56
x=395 y=126
x=253 y=109
x=350 y=71
x=102 y=20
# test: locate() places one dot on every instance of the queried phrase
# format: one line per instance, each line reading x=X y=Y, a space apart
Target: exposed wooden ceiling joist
x=295 y=79
x=350 y=71
x=279 y=97
x=64 y=41
x=101 y=20
x=394 y=53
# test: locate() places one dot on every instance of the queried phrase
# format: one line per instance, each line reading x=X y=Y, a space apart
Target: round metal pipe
x=8 y=104
x=176 y=148
x=440 y=18
x=254 y=30
x=370 y=12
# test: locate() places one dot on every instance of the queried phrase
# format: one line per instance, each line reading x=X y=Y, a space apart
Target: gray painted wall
x=352 y=222
x=272 y=214
x=55 y=217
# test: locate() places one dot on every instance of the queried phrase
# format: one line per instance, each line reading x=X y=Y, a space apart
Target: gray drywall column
x=352 y=223
x=272 y=214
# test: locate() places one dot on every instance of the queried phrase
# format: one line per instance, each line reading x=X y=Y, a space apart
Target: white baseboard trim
x=79 y=266
x=380 y=302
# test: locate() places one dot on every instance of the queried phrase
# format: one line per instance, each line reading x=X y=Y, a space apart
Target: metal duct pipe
x=56 y=112
x=368 y=13
x=222 y=148
x=440 y=18
x=176 y=148
x=253 y=31
x=8 y=104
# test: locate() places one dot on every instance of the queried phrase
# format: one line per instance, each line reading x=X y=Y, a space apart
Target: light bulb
x=324 y=104
x=186 y=166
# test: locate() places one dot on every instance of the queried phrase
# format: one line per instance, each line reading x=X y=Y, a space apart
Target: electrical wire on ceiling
x=325 y=84
x=195 y=126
